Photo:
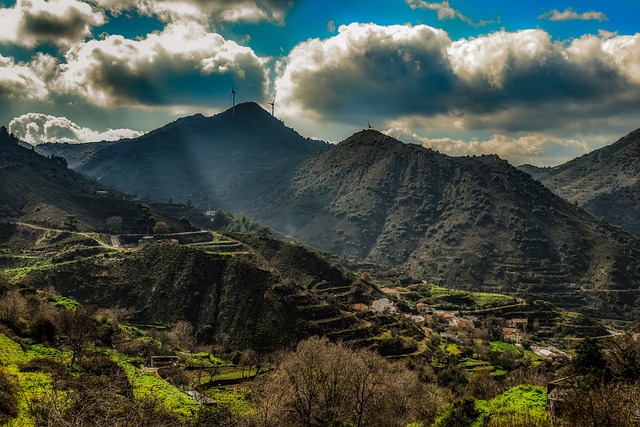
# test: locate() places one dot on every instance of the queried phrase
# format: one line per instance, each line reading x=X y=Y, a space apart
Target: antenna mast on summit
x=233 y=98
x=272 y=103
x=369 y=123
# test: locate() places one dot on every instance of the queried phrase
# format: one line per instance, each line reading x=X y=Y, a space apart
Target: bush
x=8 y=398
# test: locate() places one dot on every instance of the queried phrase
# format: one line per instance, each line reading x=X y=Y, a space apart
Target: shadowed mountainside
x=605 y=182
x=264 y=300
x=469 y=222
x=45 y=191
x=224 y=161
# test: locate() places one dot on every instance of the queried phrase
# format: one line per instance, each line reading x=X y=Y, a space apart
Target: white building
x=381 y=305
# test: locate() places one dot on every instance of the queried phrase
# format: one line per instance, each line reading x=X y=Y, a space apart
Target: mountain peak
x=246 y=109
x=371 y=136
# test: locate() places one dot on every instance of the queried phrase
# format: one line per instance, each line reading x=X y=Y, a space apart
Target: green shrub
x=8 y=398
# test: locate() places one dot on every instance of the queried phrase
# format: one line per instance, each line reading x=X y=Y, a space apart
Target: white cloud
x=571 y=15
x=445 y=11
x=37 y=128
x=503 y=81
x=202 y=11
x=182 y=65
x=23 y=80
x=59 y=22
x=392 y=70
x=541 y=149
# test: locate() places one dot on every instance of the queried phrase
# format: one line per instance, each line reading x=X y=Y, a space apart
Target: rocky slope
x=471 y=222
x=44 y=191
x=266 y=300
x=605 y=182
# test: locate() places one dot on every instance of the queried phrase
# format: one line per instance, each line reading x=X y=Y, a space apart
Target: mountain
x=466 y=222
x=44 y=191
x=605 y=182
x=239 y=291
x=224 y=161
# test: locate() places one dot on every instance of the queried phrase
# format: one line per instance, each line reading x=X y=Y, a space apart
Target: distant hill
x=44 y=191
x=605 y=182
x=469 y=222
x=224 y=161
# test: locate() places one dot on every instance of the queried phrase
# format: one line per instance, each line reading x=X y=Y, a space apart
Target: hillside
x=469 y=222
x=261 y=298
x=605 y=182
x=224 y=161
x=44 y=191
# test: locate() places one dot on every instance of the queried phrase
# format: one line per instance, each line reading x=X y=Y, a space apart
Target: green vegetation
x=505 y=346
x=520 y=405
x=147 y=384
x=444 y=297
x=11 y=352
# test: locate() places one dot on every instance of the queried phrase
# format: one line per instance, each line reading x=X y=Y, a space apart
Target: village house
x=360 y=307
x=552 y=354
x=390 y=292
x=461 y=322
x=423 y=308
x=382 y=305
x=420 y=320
x=512 y=334
x=447 y=316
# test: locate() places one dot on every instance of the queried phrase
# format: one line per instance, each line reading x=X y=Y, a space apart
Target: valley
x=463 y=277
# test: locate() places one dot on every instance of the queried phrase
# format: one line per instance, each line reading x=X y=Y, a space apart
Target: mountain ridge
x=605 y=182
x=471 y=222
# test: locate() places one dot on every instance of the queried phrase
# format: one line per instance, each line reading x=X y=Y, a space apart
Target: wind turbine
x=233 y=97
x=272 y=103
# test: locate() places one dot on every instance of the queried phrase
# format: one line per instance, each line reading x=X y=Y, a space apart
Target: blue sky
x=538 y=82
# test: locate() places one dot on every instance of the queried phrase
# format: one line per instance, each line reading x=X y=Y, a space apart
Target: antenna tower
x=273 y=103
x=233 y=98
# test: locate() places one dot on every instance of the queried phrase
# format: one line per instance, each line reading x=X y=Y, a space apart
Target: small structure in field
x=162 y=361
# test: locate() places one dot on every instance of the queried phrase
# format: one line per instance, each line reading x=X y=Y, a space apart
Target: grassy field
x=520 y=403
x=438 y=295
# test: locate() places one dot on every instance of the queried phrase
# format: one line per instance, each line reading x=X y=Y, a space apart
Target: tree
x=115 y=223
x=161 y=227
x=78 y=330
x=326 y=384
x=590 y=361
x=462 y=413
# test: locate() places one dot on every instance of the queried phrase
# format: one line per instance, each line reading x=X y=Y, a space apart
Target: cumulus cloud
x=543 y=149
x=385 y=70
x=24 y=80
x=37 y=128
x=59 y=22
x=504 y=80
x=250 y=11
x=445 y=11
x=571 y=15
x=182 y=65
